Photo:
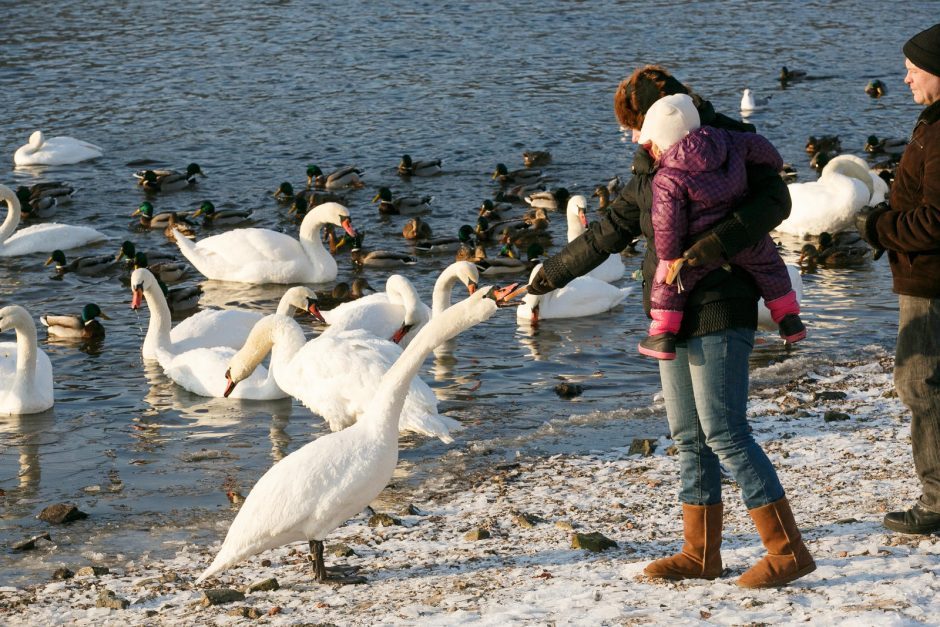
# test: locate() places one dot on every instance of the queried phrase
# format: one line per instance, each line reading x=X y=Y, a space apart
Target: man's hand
x=540 y=284
x=866 y=220
x=706 y=251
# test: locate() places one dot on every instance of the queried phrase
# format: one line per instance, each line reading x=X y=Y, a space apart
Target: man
x=909 y=229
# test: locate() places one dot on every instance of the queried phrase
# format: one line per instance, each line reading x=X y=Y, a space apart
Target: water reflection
x=26 y=435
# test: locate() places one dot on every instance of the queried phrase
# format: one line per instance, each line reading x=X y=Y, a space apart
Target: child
x=700 y=176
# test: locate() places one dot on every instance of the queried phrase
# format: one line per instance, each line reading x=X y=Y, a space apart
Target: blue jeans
x=705 y=389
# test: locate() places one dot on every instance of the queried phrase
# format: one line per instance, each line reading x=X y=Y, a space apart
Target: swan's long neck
x=279 y=335
x=575 y=228
x=442 y=296
x=158 y=331
x=26 y=350
x=13 y=213
x=313 y=246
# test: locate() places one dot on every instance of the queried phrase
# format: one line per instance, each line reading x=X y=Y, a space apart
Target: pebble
x=476 y=534
x=92 y=571
x=594 y=542
x=109 y=600
x=219 y=596
x=60 y=513
x=62 y=573
x=383 y=520
x=30 y=543
x=265 y=585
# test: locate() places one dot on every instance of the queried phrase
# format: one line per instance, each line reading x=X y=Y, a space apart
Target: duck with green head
x=346 y=176
x=522 y=176
x=402 y=204
x=84 y=325
x=167 y=271
x=409 y=167
x=90 y=265
x=168 y=180
x=225 y=217
x=151 y=220
x=464 y=237
x=129 y=252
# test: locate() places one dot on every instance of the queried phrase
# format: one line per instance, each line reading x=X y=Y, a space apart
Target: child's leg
x=667 y=303
x=764 y=263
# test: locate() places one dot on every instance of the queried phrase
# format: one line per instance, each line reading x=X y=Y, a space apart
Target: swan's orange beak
x=314 y=311
x=504 y=295
x=229 y=384
x=348 y=227
x=401 y=332
x=137 y=297
x=583 y=218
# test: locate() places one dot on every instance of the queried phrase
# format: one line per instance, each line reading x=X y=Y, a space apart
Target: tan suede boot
x=700 y=557
x=787 y=557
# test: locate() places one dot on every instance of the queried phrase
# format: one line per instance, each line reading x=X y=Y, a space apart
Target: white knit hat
x=669 y=120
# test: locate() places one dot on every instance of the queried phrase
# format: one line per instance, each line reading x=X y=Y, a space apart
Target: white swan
x=830 y=203
x=398 y=313
x=55 y=151
x=583 y=296
x=764 y=321
x=25 y=370
x=39 y=238
x=316 y=488
x=265 y=256
x=334 y=375
x=612 y=268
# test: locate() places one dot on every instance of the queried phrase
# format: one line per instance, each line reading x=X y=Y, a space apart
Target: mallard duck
x=523 y=176
x=416 y=228
x=408 y=167
x=842 y=250
x=875 y=88
x=790 y=76
x=379 y=258
x=347 y=176
x=39 y=208
x=824 y=143
x=166 y=271
x=491 y=266
x=886 y=169
x=85 y=325
x=885 y=145
x=788 y=173
x=532 y=158
x=524 y=234
x=402 y=204
x=821 y=159
x=168 y=180
x=516 y=195
x=182 y=298
x=549 y=200
x=151 y=220
x=90 y=265
x=342 y=292
x=179 y=225
x=129 y=252
x=284 y=193
x=447 y=244
x=603 y=197
x=493 y=210
x=226 y=217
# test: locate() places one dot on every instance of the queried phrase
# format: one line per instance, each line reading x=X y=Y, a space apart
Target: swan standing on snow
x=612 y=268
x=266 y=256
x=39 y=238
x=829 y=204
x=55 y=151
x=583 y=296
x=25 y=370
x=319 y=486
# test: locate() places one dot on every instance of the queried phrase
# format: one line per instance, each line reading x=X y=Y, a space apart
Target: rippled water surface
x=254 y=92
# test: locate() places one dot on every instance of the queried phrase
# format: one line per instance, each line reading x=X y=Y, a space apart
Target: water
x=255 y=91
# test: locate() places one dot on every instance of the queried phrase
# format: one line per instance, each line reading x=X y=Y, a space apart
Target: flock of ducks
x=375 y=340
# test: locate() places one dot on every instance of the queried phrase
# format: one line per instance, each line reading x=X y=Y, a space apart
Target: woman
x=705 y=387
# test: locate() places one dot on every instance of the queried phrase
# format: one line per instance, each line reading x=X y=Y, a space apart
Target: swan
x=397 y=314
x=319 y=486
x=830 y=203
x=55 y=151
x=764 y=321
x=612 y=268
x=331 y=373
x=583 y=296
x=25 y=370
x=39 y=238
x=208 y=328
x=264 y=256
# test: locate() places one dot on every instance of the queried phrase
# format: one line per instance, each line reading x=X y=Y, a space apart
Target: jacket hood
x=702 y=150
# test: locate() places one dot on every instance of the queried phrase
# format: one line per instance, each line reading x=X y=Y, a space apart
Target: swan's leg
x=332 y=574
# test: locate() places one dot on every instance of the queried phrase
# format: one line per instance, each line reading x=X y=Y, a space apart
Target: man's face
x=924 y=86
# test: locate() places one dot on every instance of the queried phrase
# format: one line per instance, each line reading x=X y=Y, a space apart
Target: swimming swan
x=264 y=256
x=612 y=268
x=583 y=296
x=25 y=370
x=316 y=488
x=55 y=151
x=39 y=238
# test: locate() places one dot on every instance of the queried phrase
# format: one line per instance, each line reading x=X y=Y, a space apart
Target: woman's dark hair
x=636 y=94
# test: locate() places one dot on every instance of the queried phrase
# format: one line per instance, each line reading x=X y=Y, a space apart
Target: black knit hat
x=923 y=50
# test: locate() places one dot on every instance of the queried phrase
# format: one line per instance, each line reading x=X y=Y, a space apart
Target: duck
x=844 y=250
x=885 y=145
x=534 y=158
x=603 y=198
x=151 y=220
x=346 y=176
x=169 y=180
x=396 y=314
x=522 y=176
x=516 y=195
x=310 y=198
x=62 y=150
x=831 y=202
x=84 y=325
x=409 y=167
x=584 y=296
x=824 y=143
x=253 y=255
x=39 y=238
x=316 y=488
x=554 y=200
x=166 y=271
x=402 y=204
x=492 y=266
x=25 y=369
x=129 y=252
x=790 y=76
x=380 y=258
x=820 y=159
x=611 y=269
x=463 y=238
x=343 y=292
x=40 y=200
x=226 y=217
x=416 y=228
x=788 y=173
x=875 y=88
x=181 y=298
x=89 y=265
x=177 y=226
x=493 y=210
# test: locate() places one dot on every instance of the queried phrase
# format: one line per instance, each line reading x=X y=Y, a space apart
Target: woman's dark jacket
x=910 y=230
x=721 y=300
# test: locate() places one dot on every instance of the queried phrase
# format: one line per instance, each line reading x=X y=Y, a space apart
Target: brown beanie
x=923 y=50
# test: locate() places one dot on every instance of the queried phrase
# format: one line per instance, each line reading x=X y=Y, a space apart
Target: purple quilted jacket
x=698 y=182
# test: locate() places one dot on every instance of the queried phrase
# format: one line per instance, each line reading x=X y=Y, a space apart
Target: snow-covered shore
x=837 y=434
